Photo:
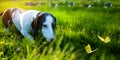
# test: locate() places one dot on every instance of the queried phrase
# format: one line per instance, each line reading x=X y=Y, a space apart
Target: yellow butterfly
x=89 y=50
x=106 y=40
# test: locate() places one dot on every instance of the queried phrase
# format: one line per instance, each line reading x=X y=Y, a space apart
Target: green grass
x=76 y=27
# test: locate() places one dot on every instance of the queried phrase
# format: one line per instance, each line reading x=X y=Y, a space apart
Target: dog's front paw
x=31 y=38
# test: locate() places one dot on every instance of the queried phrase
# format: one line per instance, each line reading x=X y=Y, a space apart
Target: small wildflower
x=92 y=31
x=12 y=36
x=44 y=42
x=2 y=43
x=1 y=53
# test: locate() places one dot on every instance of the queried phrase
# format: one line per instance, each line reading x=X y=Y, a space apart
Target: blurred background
x=85 y=30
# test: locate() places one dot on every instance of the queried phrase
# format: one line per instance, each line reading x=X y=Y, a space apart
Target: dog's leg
x=7 y=24
x=25 y=34
x=7 y=29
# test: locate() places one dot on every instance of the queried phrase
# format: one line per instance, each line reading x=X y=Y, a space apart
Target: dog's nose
x=52 y=39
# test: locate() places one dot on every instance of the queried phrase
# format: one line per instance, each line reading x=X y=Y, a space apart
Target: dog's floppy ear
x=40 y=20
x=37 y=23
x=34 y=27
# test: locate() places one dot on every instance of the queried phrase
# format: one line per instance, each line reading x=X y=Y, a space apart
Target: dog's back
x=27 y=18
x=16 y=19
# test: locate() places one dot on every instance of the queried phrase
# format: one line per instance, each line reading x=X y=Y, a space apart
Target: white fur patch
x=23 y=21
x=16 y=19
x=26 y=19
x=47 y=30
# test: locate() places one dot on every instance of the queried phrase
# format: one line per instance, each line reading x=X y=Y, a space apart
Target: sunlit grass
x=76 y=28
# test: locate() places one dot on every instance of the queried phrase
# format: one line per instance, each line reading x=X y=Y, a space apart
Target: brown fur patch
x=37 y=23
x=7 y=16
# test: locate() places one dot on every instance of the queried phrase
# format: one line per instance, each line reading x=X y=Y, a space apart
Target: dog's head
x=46 y=23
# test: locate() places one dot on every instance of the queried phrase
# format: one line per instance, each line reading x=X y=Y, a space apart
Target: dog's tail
x=1 y=13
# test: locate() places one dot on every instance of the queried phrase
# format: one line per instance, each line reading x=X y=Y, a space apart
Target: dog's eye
x=45 y=26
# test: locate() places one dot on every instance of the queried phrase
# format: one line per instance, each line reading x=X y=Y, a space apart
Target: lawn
x=77 y=29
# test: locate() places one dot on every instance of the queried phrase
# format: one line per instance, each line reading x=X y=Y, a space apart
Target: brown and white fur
x=27 y=21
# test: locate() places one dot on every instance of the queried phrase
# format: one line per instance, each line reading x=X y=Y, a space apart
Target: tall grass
x=76 y=27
